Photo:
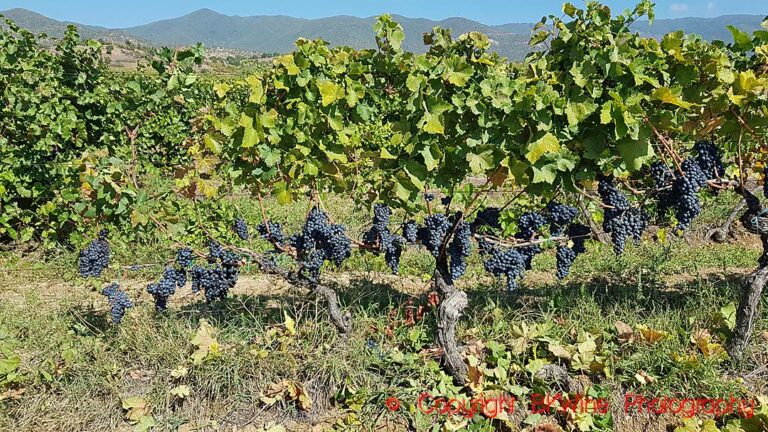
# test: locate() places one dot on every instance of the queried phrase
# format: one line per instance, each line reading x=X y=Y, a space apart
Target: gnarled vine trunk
x=453 y=301
x=749 y=307
x=747 y=313
x=341 y=320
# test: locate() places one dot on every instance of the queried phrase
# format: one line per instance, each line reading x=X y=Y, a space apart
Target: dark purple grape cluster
x=685 y=193
x=320 y=241
x=709 y=159
x=433 y=232
x=217 y=278
x=505 y=262
x=565 y=256
x=118 y=301
x=184 y=258
x=660 y=174
x=94 y=259
x=621 y=220
x=172 y=278
x=529 y=224
x=241 y=229
x=429 y=197
x=579 y=233
x=274 y=234
x=410 y=231
x=460 y=249
x=559 y=216
x=488 y=217
x=446 y=200
x=379 y=235
x=215 y=251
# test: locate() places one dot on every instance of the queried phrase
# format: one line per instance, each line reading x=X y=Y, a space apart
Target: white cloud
x=711 y=6
x=678 y=7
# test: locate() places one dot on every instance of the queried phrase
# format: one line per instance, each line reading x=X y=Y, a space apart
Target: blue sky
x=135 y=12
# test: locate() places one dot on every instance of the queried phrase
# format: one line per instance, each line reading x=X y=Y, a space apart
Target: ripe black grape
x=528 y=224
x=320 y=241
x=274 y=234
x=446 y=200
x=661 y=174
x=172 y=278
x=94 y=259
x=684 y=194
x=429 y=197
x=184 y=258
x=410 y=229
x=709 y=159
x=621 y=221
x=432 y=234
x=241 y=229
x=565 y=257
x=489 y=216
x=216 y=280
x=559 y=216
x=459 y=249
x=118 y=301
x=379 y=235
x=506 y=262
x=579 y=233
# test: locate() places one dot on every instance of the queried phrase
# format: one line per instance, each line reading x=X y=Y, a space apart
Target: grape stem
x=667 y=146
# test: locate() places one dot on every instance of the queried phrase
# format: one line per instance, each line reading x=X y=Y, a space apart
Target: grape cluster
x=505 y=262
x=709 y=159
x=94 y=259
x=172 y=278
x=215 y=251
x=218 y=278
x=241 y=229
x=685 y=193
x=380 y=235
x=446 y=200
x=460 y=249
x=432 y=234
x=410 y=231
x=565 y=257
x=119 y=302
x=579 y=233
x=559 y=216
x=273 y=234
x=621 y=220
x=489 y=216
x=528 y=224
x=184 y=258
x=429 y=197
x=320 y=241
x=661 y=174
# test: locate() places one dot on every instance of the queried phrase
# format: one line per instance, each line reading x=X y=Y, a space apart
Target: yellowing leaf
x=207 y=345
x=330 y=91
x=181 y=391
x=136 y=408
x=433 y=124
x=257 y=89
x=666 y=95
x=650 y=335
x=544 y=145
x=290 y=324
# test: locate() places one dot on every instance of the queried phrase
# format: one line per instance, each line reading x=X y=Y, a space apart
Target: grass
x=275 y=343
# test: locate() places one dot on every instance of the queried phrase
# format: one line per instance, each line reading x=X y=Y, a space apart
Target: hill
x=278 y=33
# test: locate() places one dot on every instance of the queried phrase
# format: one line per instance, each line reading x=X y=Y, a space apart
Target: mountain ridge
x=277 y=33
